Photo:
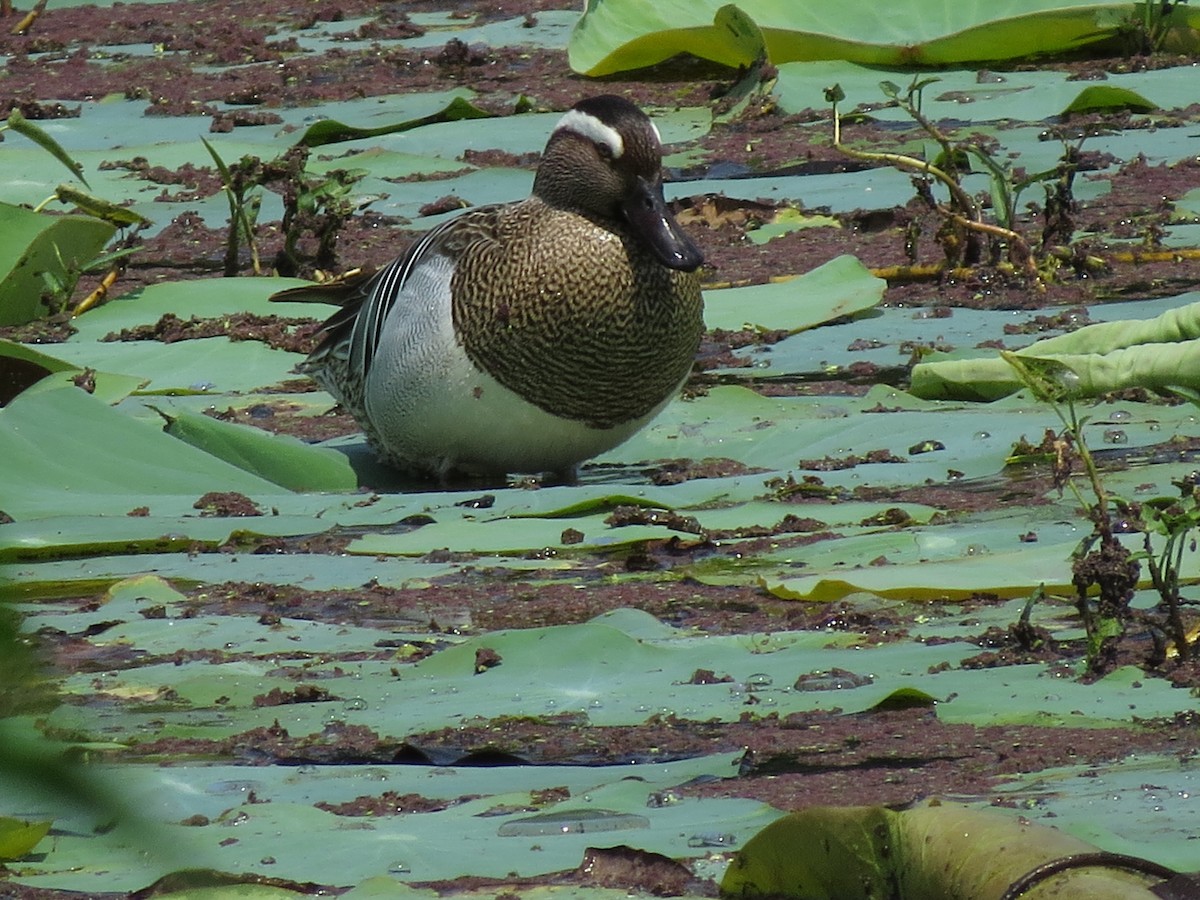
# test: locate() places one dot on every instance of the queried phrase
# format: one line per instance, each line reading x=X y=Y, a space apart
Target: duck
x=525 y=337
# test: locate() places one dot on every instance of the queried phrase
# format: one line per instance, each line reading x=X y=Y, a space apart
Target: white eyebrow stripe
x=593 y=129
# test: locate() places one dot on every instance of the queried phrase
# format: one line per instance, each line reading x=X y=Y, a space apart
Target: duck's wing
x=365 y=298
x=346 y=291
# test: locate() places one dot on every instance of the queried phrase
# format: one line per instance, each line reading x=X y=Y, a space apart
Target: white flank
x=593 y=129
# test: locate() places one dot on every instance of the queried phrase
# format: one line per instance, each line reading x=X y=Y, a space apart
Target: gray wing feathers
x=381 y=295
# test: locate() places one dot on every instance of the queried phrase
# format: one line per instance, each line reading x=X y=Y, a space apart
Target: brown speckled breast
x=571 y=315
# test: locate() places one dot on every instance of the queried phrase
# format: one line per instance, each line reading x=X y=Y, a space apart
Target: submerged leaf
x=331 y=131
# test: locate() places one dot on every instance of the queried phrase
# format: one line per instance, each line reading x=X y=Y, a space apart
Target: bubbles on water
x=834 y=679
x=712 y=839
x=399 y=868
x=1115 y=436
x=1120 y=415
x=976 y=550
x=659 y=799
x=759 y=681
x=354 y=704
x=982 y=435
x=233 y=787
x=572 y=821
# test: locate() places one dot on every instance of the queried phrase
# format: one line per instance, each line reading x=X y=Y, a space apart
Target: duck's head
x=605 y=157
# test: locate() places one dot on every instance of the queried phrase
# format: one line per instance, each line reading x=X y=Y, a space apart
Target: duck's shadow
x=372 y=475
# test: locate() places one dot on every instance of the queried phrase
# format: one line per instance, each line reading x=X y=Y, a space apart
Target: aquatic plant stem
x=970 y=216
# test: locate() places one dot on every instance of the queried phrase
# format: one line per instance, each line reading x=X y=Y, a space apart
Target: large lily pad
x=614 y=35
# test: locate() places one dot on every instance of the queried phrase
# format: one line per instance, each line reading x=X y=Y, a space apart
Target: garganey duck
x=530 y=336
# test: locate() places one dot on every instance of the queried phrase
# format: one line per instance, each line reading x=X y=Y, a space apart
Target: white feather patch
x=594 y=130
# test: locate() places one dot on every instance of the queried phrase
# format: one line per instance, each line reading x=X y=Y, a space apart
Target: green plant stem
x=1020 y=247
x=970 y=218
x=909 y=163
x=239 y=222
x=932 y=130
x=1178 y=630
x=1100 y=514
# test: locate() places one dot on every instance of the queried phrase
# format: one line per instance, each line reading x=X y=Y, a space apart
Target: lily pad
x=842 y=287
x=615 y=36
x=40 y=258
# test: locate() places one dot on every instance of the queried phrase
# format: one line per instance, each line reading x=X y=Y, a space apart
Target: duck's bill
x=647 y=213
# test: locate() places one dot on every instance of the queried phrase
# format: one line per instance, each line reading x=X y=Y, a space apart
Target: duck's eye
x=604 y=150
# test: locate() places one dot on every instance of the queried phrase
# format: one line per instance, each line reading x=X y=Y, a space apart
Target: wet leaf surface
x=802 y=585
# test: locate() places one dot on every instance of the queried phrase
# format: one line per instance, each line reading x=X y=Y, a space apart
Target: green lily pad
x=839 y=288
x=103 y=460
x=40 y=255
x=280 y=459
x=617 y=35
x=936 y=850
x=1107 y=97
x=18 y=837
x=1161 y=352
x=419 y=847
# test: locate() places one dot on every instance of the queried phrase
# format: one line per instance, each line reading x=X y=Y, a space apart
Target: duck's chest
x=575 y=317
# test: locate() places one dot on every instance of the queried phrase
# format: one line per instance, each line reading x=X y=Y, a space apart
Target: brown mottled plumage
x=527 y=336
x=560 y=335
